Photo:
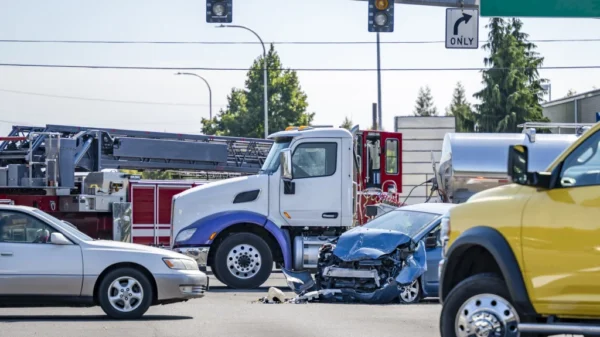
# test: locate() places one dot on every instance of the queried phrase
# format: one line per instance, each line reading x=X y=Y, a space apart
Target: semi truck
x=74 y=173
x=315 y=184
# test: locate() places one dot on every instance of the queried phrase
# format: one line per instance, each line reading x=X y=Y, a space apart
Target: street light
x=209 y=90
x=266 y=98
x=548 y=87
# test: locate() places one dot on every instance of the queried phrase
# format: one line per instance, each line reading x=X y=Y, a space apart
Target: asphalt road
x=225 y=312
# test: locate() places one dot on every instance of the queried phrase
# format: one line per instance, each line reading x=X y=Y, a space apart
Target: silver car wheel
x=486 y=315
x=244 y=261
x=410 y=293
x=125 y=294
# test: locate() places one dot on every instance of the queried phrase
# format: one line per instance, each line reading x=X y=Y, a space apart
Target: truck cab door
x=560 y=236
x=391 y=161
x=314 y=196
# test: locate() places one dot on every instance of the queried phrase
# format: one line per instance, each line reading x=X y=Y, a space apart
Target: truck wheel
x=411 y=293
x=215 y=273
x=125 y=293
x=243 y=261
x=479 y=305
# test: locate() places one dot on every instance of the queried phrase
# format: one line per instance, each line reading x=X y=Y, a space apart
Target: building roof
x=587 y=94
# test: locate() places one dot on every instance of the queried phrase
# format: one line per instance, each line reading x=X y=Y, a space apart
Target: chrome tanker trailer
x=473 y=162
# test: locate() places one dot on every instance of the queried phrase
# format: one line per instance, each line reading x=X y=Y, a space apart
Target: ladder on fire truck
x=96 y=149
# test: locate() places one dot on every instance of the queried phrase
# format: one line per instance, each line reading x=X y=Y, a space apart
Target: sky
x=184 y=99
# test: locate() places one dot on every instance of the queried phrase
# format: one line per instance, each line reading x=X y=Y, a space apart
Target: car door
x=560 y=236
x=316 y=196
x=30 y=264
x=430 y=279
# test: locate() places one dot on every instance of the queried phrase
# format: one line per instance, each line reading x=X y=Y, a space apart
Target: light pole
x=266 y=98
x=209 y=90
x=548 y=87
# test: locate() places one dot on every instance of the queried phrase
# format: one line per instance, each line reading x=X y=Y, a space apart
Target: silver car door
x=30 y=264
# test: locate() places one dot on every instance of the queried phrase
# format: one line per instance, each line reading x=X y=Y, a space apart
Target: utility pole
x=379 y=83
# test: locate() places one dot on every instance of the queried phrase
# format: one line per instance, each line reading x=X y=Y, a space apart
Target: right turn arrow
x=465 y=18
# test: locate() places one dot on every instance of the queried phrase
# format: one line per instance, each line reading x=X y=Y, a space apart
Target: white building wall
x=420 y=137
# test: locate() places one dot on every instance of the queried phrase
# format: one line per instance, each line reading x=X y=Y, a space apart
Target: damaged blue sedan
x=392 y=258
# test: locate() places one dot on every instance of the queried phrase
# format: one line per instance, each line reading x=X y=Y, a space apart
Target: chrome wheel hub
x=410 y=292
x=125 y=294
x=486 y=315
x=243 y=261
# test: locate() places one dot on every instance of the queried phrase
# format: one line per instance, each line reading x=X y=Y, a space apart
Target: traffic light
x=381 y=16
x=219 y=11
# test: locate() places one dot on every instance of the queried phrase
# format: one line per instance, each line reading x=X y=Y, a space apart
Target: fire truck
x=73 y=173
x=315 y=184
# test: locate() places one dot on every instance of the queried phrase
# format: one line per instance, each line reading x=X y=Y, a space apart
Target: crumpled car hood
x=368 y=243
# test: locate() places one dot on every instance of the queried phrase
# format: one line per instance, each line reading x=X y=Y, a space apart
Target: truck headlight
x=185 y=235
x=181 y=264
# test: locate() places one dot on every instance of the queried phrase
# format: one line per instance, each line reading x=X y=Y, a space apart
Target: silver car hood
x=132 y=248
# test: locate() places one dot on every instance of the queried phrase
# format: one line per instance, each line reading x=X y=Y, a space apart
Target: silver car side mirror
x=59 y=239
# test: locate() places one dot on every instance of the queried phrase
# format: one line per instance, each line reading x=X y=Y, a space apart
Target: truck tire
x=462 y=313
x=125 y=293
x=243 y=261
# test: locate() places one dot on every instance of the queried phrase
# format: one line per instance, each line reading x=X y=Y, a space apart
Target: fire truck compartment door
x=316 y=199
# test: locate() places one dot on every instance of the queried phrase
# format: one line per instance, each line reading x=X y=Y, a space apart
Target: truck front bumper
x=200 y=254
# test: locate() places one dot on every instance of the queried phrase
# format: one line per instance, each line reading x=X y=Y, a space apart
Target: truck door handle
x=330 y=215
x=6 y=254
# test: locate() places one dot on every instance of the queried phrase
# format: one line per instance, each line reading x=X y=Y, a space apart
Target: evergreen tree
x=424 y=105
x=571 y=93
x=347 y=123
x=461 y=110
x=244 y=115
x=512 y=87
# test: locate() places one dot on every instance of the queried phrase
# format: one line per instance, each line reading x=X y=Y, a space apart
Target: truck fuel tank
x=473 y=162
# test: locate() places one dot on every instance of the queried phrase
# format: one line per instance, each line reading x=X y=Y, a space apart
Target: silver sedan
x=46 y=262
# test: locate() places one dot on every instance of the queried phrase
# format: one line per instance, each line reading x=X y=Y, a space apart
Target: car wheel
x=411 y=293
x=243 y=261
x=479 y=305
x=125 y=293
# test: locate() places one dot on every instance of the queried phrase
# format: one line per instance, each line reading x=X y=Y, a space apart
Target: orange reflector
x=212 y=236
x=169 y=263
x=287 y=215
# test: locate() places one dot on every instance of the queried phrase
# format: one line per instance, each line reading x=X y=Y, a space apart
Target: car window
x=312 y=160
x=407 y=222
x=582 y=166
x=17 y=227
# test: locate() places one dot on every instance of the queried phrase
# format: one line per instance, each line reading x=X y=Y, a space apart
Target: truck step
x=560 y=328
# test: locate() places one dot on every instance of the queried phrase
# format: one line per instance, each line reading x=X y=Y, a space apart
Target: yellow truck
x=523 y=259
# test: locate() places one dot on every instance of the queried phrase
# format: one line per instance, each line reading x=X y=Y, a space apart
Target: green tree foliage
x=244 y=115
x=571 y=93
x=461 y=110
x=424 y=105
x=347 y=123
x=512 y=86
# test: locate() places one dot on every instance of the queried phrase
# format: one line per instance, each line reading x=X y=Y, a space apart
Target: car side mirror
x=431 y=241
x=285 y=164
x=59 y=239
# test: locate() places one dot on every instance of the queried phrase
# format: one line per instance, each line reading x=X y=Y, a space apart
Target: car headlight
x=181 y=264
x=185 y=235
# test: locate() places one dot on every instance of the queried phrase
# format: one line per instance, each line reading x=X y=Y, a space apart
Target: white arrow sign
x=462 y=28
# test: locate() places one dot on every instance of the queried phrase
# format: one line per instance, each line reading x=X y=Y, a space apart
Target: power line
x=66 y=66
x=100 y=99
x=271 y=42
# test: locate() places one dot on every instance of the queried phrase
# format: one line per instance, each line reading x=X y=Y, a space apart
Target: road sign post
x=462 y=28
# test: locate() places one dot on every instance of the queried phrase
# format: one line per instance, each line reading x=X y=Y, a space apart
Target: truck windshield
x=271 y=163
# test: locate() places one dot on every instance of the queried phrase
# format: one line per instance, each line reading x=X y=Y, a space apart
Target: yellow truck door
x=561 y=237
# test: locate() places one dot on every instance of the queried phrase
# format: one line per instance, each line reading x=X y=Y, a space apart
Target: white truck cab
x=241 y=226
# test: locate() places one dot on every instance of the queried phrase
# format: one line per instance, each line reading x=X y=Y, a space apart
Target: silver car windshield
x=407 y=222
x=63 y=226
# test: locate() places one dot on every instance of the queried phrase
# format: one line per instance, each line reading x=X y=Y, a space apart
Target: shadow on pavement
x=85 y=318
x=225 y=289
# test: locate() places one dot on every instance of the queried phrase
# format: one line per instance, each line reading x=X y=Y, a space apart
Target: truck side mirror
x=518 y=164
x=285 y=164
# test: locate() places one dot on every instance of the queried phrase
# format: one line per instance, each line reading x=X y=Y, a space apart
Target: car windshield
x=271 y=163
x=407 y=222
x=63 y=226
